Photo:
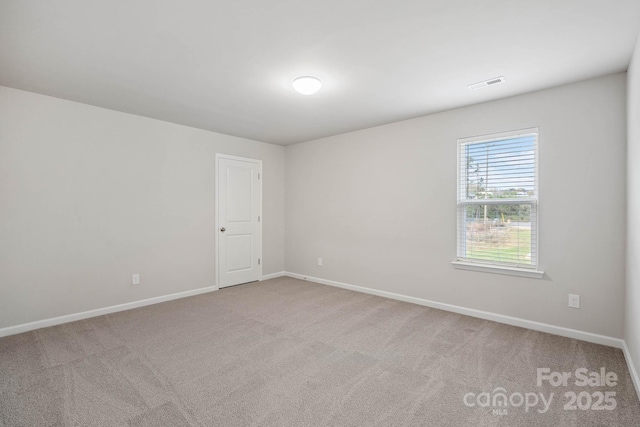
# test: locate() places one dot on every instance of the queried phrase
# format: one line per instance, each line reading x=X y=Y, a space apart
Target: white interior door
x=238 y=220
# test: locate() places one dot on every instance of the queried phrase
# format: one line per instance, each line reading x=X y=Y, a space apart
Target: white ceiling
x=227 y=66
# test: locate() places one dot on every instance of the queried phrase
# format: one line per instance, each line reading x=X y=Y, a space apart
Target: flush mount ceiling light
x=487 y=83
x=306 y=85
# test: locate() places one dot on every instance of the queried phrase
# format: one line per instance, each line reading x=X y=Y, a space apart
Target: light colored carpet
x=288 y=352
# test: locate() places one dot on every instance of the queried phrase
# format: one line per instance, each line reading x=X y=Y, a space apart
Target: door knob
x=223 y=229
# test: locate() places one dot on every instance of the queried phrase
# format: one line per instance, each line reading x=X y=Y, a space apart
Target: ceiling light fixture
x=306 y=85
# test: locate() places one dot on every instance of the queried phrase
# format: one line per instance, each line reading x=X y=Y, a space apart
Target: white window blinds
x=498 y=199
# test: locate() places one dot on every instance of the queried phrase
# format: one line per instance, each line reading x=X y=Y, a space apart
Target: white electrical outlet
x=320 y=262
x=574 y=301
x=135 y=279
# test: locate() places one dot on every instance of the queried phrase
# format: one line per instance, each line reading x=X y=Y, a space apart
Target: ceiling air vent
x=487 y=83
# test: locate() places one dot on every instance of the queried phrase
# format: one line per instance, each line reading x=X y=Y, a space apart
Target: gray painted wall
x=379 y=206
x=90 y=196
x=632 y=311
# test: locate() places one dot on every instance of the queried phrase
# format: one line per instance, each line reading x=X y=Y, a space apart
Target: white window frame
x=462 y=262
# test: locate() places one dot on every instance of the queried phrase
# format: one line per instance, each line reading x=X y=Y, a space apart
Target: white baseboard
x=513 y=321
x=632 y=368
x=25 y=327
x=273 y=275
x=18 y=329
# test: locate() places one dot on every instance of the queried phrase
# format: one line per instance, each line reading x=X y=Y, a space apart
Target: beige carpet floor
x=285 y=352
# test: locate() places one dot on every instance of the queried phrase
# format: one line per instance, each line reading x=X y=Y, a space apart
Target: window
x=498 y=200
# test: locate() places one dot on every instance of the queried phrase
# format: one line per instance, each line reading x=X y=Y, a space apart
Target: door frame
x=217 y=212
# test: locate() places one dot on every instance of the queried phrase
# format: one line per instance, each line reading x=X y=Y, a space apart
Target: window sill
x=498 y=269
